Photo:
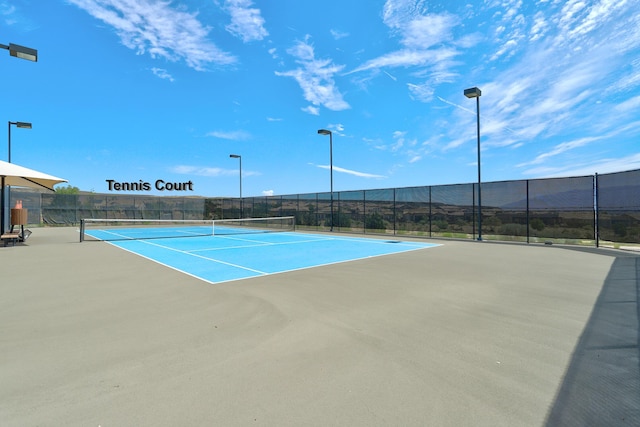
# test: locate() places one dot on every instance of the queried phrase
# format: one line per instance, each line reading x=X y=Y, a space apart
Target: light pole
x=328 y=132
x=21 y=125
x=237 y=156
x=475 y=92
x=30 y=55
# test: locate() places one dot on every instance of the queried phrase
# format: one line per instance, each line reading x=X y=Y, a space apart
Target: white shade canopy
x=19 y=176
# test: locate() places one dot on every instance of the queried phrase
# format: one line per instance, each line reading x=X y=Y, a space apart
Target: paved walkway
x=469 y=333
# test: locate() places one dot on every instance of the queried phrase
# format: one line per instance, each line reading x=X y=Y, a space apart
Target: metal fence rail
x=583 y=210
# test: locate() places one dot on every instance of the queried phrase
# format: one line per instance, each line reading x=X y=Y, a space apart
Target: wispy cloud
x=316 y=78
x=558 y=80
x=246 y=22
x=408 y=58
x=202 y=171
x=601 y=166
x=427 y=45
x=631 y=104
x=235 y=135
x=337 y=34
x=158 y=29
x=8 y=13
x=162 y=73
x=561 y=148
x=426 y=38
x=209 y=171
x=310 y=109
x=510 y=30
x=351 y=172
x=13 y=16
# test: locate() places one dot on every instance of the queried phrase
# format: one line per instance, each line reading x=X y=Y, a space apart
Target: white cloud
x=351 y=172
x=407 y=58
x=424 y=32
x=209 y=171
x=246 y=22
x=563 y=82
x=337 y=34
x=540 y=26
x=423 y=92
x=201 y=171
x=600 y=166
x=396 y=13
x=268 y=192
x=7 y=11
x=630 y=105
x=236 y=135
x=162 y=73
x=428 y=46
x=316 y=79
x=158 y=29
x=314 y=111
x=561 y=148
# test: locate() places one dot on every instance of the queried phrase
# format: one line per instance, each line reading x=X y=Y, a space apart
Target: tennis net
x=137 y=229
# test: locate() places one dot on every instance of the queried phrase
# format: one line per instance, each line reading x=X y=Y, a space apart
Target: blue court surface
x=217 y=259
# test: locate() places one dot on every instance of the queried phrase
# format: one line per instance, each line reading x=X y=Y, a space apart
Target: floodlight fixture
x=473 y=92
x=21 y=52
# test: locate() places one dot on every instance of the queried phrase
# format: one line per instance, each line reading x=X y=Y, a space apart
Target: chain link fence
x=589 y=210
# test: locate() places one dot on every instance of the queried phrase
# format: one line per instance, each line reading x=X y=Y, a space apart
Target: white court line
x=123 y=237
x=197 y=256
x=257 y=244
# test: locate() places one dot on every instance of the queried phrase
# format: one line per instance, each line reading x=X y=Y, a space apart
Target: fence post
x=364 y=212
x=430 y=213
x=528 y=228
x=473 y=202
x=596 y=216
x=394 y=211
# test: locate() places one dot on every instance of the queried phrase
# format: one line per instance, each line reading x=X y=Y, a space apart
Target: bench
x=12 y=237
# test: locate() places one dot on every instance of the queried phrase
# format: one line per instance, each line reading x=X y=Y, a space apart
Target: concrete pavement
x=469 y=333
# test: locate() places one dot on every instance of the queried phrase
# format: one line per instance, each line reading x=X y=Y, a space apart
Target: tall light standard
x=21 y=125
x=29 y=54
x=328 y=132
x=237 y=156
x=475 y=92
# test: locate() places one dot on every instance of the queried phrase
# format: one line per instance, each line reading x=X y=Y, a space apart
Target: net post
x=81 y=230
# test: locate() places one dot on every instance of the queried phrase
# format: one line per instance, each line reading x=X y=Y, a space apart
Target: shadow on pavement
x=602 y=384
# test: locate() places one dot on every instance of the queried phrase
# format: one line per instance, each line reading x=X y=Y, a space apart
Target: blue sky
x=142 y=90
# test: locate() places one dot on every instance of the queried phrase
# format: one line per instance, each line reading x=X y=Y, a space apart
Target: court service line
x=257 y=244
x=200 y=256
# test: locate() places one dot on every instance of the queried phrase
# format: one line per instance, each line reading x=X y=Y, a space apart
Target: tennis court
x=233 y=250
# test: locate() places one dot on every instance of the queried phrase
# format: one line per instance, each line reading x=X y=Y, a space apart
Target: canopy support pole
x=2 y=206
